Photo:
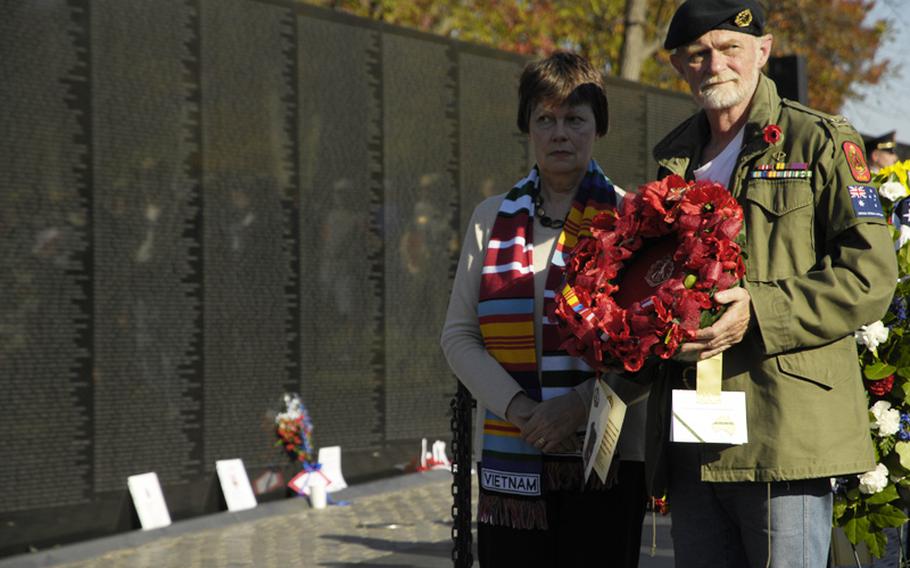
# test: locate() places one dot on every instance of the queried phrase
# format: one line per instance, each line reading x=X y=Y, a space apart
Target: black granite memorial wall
x=46 y=220
x=342 y=336
x=205 y=204
x=147 y=275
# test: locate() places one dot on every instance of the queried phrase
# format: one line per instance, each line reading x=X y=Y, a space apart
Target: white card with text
x=604 y=424
x=330 y=458
x=149 y=500
x=238 y=494
x=720 y=420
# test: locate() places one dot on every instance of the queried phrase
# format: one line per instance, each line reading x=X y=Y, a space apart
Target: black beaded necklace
x=545 y=219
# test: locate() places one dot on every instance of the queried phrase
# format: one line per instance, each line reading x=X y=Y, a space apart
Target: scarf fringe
x=563 y=475
x=503 y=511
x=570 y=475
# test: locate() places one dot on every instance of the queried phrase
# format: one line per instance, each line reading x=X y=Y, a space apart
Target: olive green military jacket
x=820 y=265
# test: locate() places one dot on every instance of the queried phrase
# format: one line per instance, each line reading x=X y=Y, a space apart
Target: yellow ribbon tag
x=708 y=375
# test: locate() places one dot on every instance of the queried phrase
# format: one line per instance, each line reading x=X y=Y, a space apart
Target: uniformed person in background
x=820 y=264
x=881 y=151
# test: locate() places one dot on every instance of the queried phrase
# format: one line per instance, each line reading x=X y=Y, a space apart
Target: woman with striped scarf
x=534 y=507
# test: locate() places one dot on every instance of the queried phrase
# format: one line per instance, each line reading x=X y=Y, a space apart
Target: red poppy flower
x=660 y=505
x=772 y=134
x=881 y=387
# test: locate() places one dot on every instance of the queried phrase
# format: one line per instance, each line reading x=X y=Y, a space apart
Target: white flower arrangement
x=874 y=481
x=887 y=419
x=872 y=335
x=892 y=190
x=868 y=505
x=294 y=409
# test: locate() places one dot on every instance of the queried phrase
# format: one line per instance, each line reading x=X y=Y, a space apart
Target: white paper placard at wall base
x=238 y=494
x=330 y=458
x=328 y=474
x=148 y=500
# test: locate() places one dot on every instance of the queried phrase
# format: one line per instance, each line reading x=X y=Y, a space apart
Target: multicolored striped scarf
x=513 y=474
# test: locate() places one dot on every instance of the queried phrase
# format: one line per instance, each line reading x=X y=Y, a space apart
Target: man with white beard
x=819 y=264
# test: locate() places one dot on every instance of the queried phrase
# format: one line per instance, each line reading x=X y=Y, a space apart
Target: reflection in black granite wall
x=247 y=163
x=45 y=251
x=421 y=228
x=148 y=406
x=206 y=203
x=493 y=153
x=341 y=230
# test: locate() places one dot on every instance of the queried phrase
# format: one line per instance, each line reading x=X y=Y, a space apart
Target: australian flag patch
x=865 y=201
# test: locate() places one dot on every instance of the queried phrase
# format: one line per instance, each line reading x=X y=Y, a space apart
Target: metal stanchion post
x=462 y=555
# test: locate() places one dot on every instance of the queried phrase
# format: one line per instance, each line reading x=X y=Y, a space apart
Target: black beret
x=697 y=17
x=883 y=142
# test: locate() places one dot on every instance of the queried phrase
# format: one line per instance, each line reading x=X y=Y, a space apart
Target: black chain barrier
x=462 y=403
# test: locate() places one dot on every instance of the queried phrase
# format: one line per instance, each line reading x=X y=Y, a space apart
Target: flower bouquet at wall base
x=867 y=504
x=644 y=281
x=295 y=431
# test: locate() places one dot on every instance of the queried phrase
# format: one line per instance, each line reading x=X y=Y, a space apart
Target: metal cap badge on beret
x=697 y=17
x=884 y=142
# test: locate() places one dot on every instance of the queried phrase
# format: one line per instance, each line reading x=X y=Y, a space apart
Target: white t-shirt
x=720 y=168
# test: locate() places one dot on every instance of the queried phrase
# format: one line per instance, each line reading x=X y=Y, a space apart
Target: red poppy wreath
x=643 y=283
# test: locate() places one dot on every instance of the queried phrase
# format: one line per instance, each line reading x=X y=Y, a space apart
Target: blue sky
x=886 y=106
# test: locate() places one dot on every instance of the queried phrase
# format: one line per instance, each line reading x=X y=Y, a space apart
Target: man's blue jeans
x=726 y=525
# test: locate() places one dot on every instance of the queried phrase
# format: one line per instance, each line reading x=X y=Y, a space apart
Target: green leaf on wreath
x=886 y=495
x=840 y=506
x=878 y=370
x=887 y=516
x=903 y=358
x=885 y=445
x=876 y=541
x=905 y=385
x=903 y=259
x=903 y=450
x=856 y=529
x=707 y=318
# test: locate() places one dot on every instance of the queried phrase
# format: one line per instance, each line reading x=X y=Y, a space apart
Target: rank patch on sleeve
x=857 y=162
x=865 y=201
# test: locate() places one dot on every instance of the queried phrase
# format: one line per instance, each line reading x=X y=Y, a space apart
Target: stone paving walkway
x=409 y=514
x=397 y=522
x=372 y=527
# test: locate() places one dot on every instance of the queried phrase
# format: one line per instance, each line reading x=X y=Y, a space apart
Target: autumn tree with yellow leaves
x=625 y=36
